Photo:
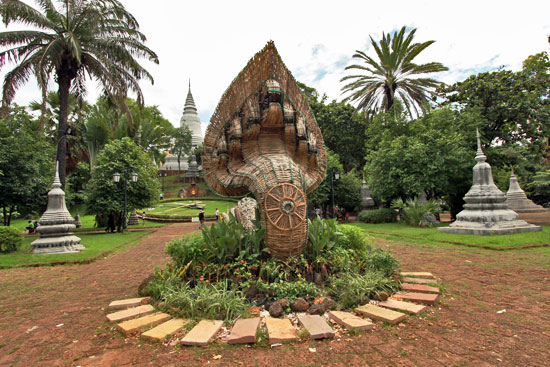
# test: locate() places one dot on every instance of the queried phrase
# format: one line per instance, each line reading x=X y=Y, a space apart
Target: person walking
x=201 y=219
x=217 y=215
x=143 y=217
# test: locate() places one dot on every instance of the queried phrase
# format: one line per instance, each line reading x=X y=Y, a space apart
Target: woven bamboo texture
x=263 y=138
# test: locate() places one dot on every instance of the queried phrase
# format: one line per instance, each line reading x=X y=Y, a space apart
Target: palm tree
x=393 y=76
x=94 y=37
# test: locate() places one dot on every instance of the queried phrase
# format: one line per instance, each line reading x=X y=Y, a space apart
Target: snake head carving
x=263 y=138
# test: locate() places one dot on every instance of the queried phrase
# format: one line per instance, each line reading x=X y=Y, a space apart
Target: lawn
x=176 y=208
x=88 y=224
x=96 y=246
x=401 y=231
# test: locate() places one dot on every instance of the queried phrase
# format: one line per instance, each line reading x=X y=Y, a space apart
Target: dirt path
x=466 y=330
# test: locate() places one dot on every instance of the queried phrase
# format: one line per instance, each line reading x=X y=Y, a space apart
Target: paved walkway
x=52 y=316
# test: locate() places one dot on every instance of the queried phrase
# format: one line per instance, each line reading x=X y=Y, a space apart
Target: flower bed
x=226 y=269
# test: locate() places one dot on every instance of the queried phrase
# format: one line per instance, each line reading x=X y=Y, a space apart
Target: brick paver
x=379 y=313
x=134 y=325
x=130 y=313
x=350 y=321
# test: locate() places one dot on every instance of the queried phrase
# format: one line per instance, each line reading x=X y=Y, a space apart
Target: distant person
x=30 y=227
x=161 y=196
x=201 y=219
x=143 y=217
x=217 y=214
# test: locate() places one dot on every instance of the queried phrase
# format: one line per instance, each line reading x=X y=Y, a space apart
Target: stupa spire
x=56 y=182
x=190 y=106
x=480 y=156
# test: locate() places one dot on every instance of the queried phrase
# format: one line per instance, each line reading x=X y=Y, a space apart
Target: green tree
x=342 y=127
x=434 y=155
x=105 y=196
x=98 y=38
x=26 y=170
x=516 y=105
x=181 y=144
x=394 y=76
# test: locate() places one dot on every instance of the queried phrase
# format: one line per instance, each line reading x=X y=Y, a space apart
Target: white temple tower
x=191 y=119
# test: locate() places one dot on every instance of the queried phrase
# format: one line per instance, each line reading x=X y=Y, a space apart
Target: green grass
x=175 y=208
x=88 y=224
x=405 y=233
x=96 y=245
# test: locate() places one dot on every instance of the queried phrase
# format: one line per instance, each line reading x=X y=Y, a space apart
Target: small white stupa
x=485 y=211
x=518 y=201
x=56 y=225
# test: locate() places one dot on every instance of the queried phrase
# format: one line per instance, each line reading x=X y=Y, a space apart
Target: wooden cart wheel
x=285 y=206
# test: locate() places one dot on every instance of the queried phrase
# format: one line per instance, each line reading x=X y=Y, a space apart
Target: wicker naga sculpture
x=263 y=138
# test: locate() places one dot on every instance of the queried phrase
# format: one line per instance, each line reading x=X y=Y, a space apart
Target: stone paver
x=128 y=303
x=202 y=333
x=424 y=298
x=165 y=329
x=279 y=330
x=244 y=331
x=350 y=321
x=134 y=325
x=420 y=288
x=402 y=306
x=419 y=280
x=379 y=313
x=130 y=313
x=316 y=326
x=417 y=274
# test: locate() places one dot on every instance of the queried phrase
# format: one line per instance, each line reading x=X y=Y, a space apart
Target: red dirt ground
x=464 y=330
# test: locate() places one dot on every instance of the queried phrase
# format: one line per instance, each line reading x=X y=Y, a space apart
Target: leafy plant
x=384 y=215
x=415 y=213
x=382 y=262
x=290 y=290
x=351 y=289
x=323 y=236
x=10 y=239
x=205 y=300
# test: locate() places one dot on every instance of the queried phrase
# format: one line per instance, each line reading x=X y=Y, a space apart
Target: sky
x=209 y=42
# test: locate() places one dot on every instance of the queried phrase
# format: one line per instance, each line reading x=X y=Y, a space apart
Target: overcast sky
x=211 y=41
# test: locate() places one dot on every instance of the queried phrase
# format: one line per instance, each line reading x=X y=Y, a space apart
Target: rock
x=283 y=302
x=161 y=304
x=299 y=305
x=141 y=288
x=381 y=296
x=329 y=304
x=276 y=310
x=316 y=309
x=254 y=310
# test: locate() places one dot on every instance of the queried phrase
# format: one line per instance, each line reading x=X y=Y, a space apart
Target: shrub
x=382 y=261
x=384 y=215
x=414 y=213
x=10 y=239
x=352 y=289
x=354 y=238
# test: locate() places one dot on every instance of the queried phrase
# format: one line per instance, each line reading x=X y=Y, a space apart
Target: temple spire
x=480 y=156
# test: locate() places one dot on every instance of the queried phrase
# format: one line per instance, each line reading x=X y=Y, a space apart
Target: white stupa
x=191 y=119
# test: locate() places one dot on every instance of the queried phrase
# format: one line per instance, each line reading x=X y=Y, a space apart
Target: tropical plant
x=415 y=213
x=323 y=236
x=352 y=289
x=97 y=37
x=393 y=76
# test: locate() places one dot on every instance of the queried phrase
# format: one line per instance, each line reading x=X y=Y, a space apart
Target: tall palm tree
x=78 y=37
x=393 y=76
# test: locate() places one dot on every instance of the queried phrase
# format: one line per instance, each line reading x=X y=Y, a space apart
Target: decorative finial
x=56 y=181
x=480 y=156
x=189 y=84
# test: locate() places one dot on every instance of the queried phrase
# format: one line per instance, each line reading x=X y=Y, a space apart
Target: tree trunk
x=9 y=215
x=64 y=82
x=5 y=217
